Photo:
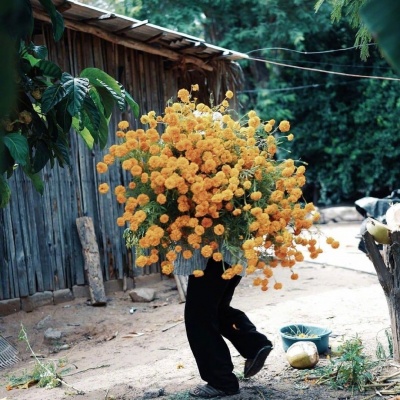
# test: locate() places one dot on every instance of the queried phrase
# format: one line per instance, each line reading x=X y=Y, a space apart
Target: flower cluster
x=203 y=180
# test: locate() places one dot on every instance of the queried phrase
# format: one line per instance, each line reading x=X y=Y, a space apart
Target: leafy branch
x=45 y=103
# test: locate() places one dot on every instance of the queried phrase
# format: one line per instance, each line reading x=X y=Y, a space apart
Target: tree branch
x=384 y=276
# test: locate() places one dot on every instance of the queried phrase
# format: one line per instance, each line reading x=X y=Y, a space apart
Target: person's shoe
x=208 y=392
x=254 y=366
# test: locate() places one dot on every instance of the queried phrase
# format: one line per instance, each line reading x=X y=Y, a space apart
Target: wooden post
x=181 y=284
x=91 y=255
x=387 y=268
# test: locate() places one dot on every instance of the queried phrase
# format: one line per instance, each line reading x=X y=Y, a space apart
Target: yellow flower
x=104 y=188
x=183 y=94
x=187 y=254
x=256 y=196
x=101 y=167
x=206 y=251
x=284 y=126
x=219 y=229
x=144 y=119
x=123 y=125
x=167 y=268
x=268 y=127
x=108 y=159
x=141 y=261
x=198 y=174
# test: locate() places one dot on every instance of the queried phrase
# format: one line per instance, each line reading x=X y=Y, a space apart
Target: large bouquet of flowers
x=203 y=180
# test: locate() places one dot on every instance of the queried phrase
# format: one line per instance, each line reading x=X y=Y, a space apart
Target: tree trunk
x=387 y=267
x=91 y=256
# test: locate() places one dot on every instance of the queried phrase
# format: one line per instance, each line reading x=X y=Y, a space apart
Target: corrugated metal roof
x=140 y=31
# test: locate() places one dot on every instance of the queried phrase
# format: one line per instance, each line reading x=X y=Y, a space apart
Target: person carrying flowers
x=209 y=198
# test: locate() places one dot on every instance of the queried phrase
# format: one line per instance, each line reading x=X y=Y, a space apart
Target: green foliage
x=384 y=346
x=344 y=127
x=46 y=374
x=351 y=370
x=44 y=103
x=381 y=19
x=350 y=10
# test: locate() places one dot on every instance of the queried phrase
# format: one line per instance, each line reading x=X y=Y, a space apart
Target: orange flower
x=197 y=174
x=104 y=188
x=284 y=126
x=164 y=218
x=219 y=229
x=101 y=167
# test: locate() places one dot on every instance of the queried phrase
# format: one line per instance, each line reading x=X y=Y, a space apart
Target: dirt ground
x=132 y=351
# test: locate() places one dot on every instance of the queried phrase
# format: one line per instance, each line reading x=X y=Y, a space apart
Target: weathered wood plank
x=20 y=276
x=90 y=251
x=24 y=207
x=34 y=201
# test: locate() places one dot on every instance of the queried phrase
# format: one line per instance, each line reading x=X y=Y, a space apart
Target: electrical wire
x=313 y=86
x=323 y=71
x=309 y=52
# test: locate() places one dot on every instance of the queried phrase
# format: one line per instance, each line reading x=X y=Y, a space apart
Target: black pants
x=209 y=317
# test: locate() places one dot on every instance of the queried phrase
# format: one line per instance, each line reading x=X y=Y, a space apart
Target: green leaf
x=18 y=147
x=381 y=18
x=93 y=113
x=56 y=18
x=132 y=104
x=64 y=120
x=31 y=59
x=62 y=152
x=103 y=131
x=42 y=156
x=85 y=134
x=5 y=192
x=16 y=19
x=49 y=69
x=52 y=96
x=7 y=75
x=6 y=161
x=76 y=90
x=37 y=182
x=99 y=78
x=106 y=99
x=95 y=96
x=39 y=51
x=119 y=99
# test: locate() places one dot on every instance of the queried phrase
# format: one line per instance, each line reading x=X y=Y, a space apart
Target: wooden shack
x=39 y=244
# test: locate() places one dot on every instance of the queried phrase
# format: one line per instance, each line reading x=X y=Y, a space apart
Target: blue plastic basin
x=313 y=333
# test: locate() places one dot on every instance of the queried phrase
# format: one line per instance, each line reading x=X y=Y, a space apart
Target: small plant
x=384 y=352
x=351 y=370
x=44 y=373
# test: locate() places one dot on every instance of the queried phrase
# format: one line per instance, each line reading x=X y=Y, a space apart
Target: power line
x=309 y=52
x=332 y=65
x=313 y=86
x=324 y=71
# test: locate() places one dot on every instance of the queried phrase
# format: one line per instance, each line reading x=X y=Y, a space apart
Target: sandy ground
x=115 y=354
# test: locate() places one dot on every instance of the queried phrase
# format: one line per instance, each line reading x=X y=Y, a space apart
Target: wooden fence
x=39 y=244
